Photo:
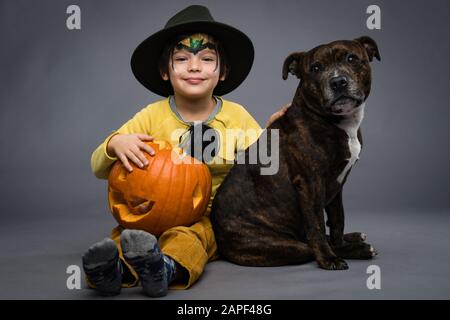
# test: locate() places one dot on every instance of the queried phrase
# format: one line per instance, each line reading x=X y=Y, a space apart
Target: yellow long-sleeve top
x=236 y=128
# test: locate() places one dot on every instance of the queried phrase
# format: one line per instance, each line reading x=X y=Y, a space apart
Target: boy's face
x=194 y=68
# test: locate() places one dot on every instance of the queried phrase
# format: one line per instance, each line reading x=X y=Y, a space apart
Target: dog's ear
x=370 y=46
x=292 y=64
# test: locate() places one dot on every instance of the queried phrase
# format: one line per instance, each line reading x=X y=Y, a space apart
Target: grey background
x=63 y=91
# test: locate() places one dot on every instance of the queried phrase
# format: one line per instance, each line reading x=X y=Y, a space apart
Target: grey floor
x=414 y=261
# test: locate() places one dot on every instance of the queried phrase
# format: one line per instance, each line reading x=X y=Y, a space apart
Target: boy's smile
x=194 y=80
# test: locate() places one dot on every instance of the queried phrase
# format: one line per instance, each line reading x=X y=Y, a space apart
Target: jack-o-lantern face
x=163 y=194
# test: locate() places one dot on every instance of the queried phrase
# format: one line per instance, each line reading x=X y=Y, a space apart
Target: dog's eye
x=316 y=67
x=351 y=58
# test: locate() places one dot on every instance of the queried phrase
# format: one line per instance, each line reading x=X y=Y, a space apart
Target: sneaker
x=141 y=250
x=102 y=267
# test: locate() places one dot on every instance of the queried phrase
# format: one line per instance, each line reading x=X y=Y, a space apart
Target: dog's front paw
x=334 y=263
x=355 y=237
x=370 y=252
x=356 y=250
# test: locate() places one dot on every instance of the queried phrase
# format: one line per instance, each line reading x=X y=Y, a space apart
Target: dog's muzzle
x=346 y=97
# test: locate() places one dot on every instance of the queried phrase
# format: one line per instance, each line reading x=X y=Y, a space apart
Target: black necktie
x=203 y=142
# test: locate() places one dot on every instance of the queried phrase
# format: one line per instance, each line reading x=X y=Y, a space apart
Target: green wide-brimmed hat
x=194 y=19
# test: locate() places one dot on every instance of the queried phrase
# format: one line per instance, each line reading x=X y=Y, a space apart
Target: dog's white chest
x=351 y=126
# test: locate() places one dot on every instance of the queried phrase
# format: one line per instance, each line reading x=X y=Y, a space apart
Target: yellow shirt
x=158 y=120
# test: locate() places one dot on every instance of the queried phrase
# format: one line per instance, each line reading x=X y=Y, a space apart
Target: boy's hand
x=278 y=114
x=128 y=147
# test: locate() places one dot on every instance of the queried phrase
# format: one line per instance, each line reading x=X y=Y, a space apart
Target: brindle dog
x=273 y=220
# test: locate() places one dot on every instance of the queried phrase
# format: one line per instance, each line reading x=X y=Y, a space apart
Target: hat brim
x=238 y=48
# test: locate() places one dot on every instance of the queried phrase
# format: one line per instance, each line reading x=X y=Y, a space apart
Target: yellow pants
x=192 y=247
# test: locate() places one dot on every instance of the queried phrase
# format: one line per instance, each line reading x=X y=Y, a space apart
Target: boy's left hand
x=278 y=114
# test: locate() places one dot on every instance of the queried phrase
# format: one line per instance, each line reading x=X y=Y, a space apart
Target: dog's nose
x=338 y=83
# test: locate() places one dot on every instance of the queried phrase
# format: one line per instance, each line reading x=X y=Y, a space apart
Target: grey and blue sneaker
x=141 y=250
x=102 y=267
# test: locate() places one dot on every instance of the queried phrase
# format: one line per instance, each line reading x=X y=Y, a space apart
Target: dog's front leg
x=350 y=245
x=336 y=222
x=335 y=214
x=311 y=205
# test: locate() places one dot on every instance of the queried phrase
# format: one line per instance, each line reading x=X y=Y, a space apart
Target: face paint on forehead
x=196 y=43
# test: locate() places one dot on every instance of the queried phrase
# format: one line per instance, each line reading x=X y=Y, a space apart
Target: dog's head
x=335 y=78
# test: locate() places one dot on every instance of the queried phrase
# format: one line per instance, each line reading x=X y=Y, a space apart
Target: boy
x=192 y=61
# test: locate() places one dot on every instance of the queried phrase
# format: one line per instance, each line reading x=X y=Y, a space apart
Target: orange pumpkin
x=163 y=194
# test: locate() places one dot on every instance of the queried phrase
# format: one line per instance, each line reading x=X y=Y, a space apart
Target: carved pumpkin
x=163 y=194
